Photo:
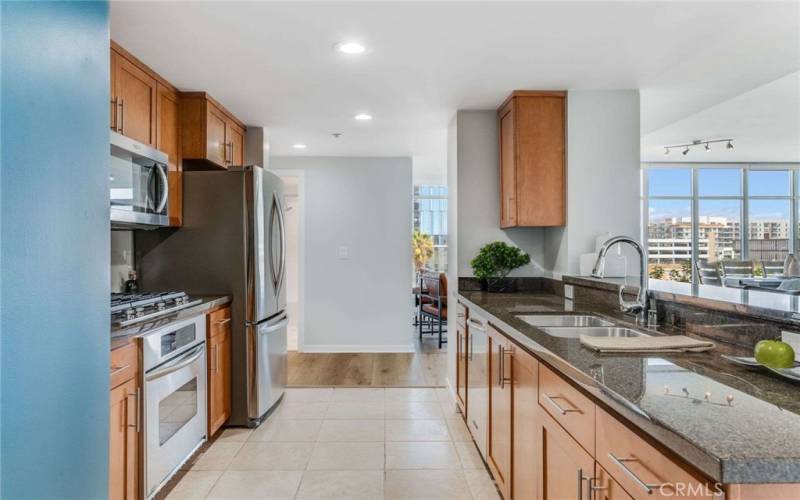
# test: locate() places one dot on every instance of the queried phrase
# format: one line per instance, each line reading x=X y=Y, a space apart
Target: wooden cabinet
x=462 y=347
x=525 y=376
x=219 y=368
x=133 y=100
x=532 y=128
x=498 y=446
x=604 y=487
x=125 y=424
x=568 y=406
x=564 y=466
x=168 y=140
x=211 y=136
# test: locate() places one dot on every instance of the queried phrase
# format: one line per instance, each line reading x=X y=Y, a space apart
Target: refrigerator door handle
x=282 y=224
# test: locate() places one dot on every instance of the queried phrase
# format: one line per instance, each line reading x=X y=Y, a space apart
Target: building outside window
x=430 y=217
x=718 y=213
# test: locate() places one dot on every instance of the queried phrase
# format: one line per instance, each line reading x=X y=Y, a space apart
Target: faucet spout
x=640 y=304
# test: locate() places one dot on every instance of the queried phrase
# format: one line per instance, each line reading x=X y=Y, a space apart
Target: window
x=430 y=217
x=717 y=213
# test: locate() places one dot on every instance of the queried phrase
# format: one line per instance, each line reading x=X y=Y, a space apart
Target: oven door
x=175 y=414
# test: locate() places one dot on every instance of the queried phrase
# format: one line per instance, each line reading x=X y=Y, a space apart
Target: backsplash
x=122 y=258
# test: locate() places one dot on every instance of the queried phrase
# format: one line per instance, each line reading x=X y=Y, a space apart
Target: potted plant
x=493 y=263
x=422 y=245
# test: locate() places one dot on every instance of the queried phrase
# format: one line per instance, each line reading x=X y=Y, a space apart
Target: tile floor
x=342 y=443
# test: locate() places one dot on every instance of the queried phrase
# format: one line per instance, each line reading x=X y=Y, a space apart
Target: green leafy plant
x=497 y=259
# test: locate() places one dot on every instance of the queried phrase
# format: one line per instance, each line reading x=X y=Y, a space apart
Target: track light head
x=685 y=151
x=730 y=145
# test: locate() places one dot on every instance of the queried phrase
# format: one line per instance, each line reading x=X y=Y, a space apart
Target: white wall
x=602 y=177
x=478 y=180
x=361 y=303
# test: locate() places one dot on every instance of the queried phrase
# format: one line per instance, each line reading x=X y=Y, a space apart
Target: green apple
x=774 y=353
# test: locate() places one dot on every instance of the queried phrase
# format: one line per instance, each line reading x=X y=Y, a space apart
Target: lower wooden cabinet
x=564 y=466
x=124 y=425
x=604 y=487
x=462 y=348
x=524 y=414
x=219 y=369
x=498 y=446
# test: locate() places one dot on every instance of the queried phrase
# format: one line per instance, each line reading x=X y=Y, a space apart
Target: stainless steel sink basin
x=592 y=331
x=563 y=320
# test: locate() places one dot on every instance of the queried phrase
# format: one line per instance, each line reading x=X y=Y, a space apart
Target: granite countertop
x=772 y=306
x=754 y=440
x=122 y=336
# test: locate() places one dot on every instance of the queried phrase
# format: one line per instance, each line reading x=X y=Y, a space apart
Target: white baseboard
x=357 y=348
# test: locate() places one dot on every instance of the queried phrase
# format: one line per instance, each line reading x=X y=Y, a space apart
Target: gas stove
x=130 y=308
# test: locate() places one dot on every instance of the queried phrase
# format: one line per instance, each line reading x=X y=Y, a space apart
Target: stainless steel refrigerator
x=232 y=242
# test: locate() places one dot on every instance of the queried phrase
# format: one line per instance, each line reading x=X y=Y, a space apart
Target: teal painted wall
x=54 y=250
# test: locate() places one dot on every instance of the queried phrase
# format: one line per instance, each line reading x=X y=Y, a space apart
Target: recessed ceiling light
x=299 y=146
x=363 y=117
x=350 y=47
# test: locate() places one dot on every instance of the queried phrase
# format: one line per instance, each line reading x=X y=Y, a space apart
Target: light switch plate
x=793 y=339
x=569 y=292
x=344 y=253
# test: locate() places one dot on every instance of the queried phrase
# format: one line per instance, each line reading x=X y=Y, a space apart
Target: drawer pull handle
x=222 y=321
x=620 y=462
x=561 y=409
x=117 y=369
x=593 y=487
x=476 y=325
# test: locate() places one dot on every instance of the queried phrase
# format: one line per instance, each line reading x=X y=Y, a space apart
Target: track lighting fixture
x=697 y=142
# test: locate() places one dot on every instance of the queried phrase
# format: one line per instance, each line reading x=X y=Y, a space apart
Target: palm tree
x=422 y=245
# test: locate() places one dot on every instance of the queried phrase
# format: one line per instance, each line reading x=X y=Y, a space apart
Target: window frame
x=743 y=198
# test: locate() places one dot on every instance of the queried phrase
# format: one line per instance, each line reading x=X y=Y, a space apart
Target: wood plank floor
x=425 y=368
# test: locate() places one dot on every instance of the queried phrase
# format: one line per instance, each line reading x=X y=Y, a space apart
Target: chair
x=772 y=268
x=708 y=273
x=737 y=268
x=433 y=287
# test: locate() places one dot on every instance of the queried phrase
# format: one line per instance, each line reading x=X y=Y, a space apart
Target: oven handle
x=176 y=364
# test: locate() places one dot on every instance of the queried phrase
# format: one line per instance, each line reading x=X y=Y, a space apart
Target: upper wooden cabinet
x=133 y=99
x=168 y=140
x=532 y=127
x=211 y=136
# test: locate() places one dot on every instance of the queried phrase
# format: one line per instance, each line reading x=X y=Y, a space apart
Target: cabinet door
x=605 y=488
x=461 y=368
x=123 y=443
x=498 y=449
x=168 y=140
x=525 y=375
x=563 y=465
x=219 y=377
x=508 y=177
x=135 y=91
x=216 y=150
x=113 y=108
x=234 y=136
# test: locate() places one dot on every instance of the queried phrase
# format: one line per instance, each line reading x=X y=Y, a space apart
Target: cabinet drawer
x=641 y=469
x=462 y=313
x=124 y=364
x=574 y=411
x=219 y=321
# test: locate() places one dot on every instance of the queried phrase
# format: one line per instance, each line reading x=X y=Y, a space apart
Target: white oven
x=175 y=420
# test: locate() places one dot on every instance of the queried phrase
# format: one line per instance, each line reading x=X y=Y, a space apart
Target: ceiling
x=273 y=64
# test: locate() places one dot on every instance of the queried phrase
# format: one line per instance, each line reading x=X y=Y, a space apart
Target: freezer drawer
x=268 y=378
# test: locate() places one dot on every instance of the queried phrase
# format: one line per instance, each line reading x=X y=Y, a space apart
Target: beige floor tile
x=194 y=485
x=287 y=430
x=411 y=394
x=417 y=430
x=481 y=485
x=308 y=395
x=257 y=484
x=450 y=409
x=347 y=456
x=341 y=485
x=217 y=457
x=272 y=456
x=444 y=395
x=358 y=410
x=234 y=435
x=304 y=411
x=360 y=395
x=422 y=455
x=426 y=484
x=458 y=428
x=413 y=409
x=468 y=453
x=352 y=430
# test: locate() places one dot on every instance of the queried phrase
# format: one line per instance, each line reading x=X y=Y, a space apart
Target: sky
x=719 y=182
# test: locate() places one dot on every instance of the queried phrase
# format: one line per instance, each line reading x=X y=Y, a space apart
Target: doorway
x=293 y=208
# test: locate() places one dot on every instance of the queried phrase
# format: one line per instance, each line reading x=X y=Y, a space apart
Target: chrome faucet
x=638 y=306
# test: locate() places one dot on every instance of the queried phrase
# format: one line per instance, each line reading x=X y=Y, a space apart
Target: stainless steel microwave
x=139 y=187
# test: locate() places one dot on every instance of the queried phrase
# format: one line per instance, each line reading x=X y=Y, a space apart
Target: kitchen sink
x=592 y=331
x=563 y=320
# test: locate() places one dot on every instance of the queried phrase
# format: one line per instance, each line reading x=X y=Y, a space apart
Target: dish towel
x=672 y=343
